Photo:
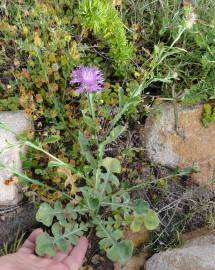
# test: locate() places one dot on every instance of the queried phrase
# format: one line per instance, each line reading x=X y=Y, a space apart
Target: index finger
x=75 y=259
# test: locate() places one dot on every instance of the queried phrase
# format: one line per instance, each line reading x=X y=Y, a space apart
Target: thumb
x=29 y=245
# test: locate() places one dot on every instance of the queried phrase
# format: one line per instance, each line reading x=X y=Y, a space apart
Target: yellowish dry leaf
x=70 y=179
x=117 y=3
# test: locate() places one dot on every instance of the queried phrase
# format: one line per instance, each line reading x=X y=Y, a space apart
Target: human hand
x=25 y=258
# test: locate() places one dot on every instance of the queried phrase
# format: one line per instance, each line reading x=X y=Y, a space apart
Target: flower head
x=89 y=79
x=191 y=20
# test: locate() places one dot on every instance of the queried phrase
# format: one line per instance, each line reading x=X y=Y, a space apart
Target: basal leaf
x=59 y=212
x=121 y=251
x=44 y=245
x=112 y=165
x=57 y=231
x=45 y=214
x=137 y=223
x=112 y=178
x=141 y=206
x=70 y=211
x=105 y=243
x=151 y=220
x=93 y=203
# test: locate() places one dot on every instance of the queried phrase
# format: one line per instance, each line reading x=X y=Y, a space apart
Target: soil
x=16 y=220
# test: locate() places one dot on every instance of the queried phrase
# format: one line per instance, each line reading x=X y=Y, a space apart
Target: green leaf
x=118 y=250
x=112 y=165
x=89 y=121
x=73 y=231
x=151 y=220
x=121 y=97
x=44 y=245
x=85 y=149
x=93 y=203
x=105 y=243
x=59 y=212
x=131 y=102
x=70 y=211
x=114 y=134
x=45 y=214
x=141 y=206
x=111 y=177
x=137 y=223
x=121 y=251
x=57 y=231
x=55 y=164
x=51 y=139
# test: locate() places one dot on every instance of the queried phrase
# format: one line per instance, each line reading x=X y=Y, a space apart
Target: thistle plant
x=102 y=204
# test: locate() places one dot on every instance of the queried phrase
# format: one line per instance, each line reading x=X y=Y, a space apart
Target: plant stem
x=91 y=106
x=97 y=177
x=105 y=185
x=61 y=163
x=178 y=37
x=120 y=192
x=36 y=182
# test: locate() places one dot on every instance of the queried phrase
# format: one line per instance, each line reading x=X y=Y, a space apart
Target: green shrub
x=104 y=21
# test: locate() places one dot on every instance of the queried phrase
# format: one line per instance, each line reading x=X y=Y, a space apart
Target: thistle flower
x=191 y=20
x=89 y=79
x=190 y=17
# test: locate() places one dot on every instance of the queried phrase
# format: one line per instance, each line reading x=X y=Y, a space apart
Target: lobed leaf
x=121 y=251
x=140 y=206
x=112 y=165
x=45 y=245
x=45 y=214
x=151 y=220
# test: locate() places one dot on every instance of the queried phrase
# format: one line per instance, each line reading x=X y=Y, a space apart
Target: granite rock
x=16 y=122
x=197 y=254
x=181 y=143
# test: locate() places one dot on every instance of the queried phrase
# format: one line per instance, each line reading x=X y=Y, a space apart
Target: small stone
x=198 y=254
x=180 y=147
x=135 y=263
x=17 y=122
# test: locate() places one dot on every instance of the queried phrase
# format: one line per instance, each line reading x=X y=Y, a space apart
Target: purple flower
x=89 y=79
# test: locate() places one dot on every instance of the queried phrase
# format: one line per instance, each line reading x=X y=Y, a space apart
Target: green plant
x=103 y=19
x=208 y=115
x=103 y=202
